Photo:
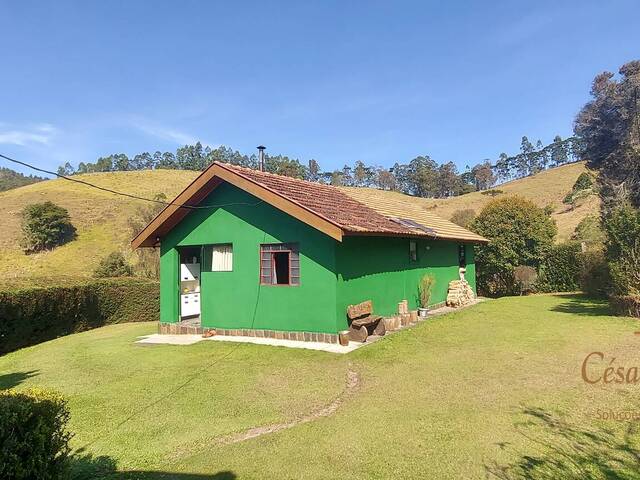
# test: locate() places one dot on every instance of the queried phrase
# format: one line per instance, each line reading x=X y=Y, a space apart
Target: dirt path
x=352 y=383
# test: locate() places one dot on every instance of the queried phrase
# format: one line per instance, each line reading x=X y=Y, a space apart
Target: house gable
x=236 y=299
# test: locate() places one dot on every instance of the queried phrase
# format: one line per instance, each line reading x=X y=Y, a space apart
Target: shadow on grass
x=86 y=466
x=570 y=452
x=10 y=380
x=578 y=304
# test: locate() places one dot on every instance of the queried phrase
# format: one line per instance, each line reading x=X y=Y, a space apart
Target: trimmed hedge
x=34 y=442
x=561 y=268
x=30 y=315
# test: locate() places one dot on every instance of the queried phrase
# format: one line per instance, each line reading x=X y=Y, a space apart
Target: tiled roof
x=416 y=209
x=360 y=210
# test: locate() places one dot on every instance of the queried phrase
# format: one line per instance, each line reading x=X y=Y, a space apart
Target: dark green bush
x=33 y=315
x=595 y=279
x=45 y=226
x=113 y=265
x=561 y=268
x=34 y=443
x=622 y=225
x=519 y=233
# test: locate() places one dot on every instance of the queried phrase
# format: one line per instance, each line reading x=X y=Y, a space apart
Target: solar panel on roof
x=406 y=222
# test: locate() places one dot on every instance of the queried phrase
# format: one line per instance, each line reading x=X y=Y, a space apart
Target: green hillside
x=101 y=218
x=545 y=188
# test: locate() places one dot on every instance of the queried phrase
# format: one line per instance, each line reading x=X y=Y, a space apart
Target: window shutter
x=294 y=275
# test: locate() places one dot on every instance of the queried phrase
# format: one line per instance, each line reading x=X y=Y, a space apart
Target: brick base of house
x=177 y=329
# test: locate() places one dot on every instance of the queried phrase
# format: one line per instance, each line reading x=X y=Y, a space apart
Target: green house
x=252 y=253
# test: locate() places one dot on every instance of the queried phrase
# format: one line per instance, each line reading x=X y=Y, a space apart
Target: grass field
x=101 y=218
x=493 y=391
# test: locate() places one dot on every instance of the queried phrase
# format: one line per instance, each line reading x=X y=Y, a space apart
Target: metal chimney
x=261 y=157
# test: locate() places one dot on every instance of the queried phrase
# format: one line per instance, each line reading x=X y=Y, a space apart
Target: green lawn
x=493 y=391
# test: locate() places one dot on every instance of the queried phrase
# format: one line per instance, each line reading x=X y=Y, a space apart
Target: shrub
x=34 y=443
x=561 y=268
x=595 y=280
x=622 y=225
x=493 y=192
x=519 y=233
x=582 y=188
x=424 y=289
x=113 y=265
x=526 y=278
x=584 y=181
x=45 y=226
x=463 y=217
x=589 y=231
x=628 y=305
x=148 y=259
x=35 y=314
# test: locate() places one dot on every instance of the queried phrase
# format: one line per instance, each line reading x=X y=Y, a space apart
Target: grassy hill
x=101 y=218
x=545 y=188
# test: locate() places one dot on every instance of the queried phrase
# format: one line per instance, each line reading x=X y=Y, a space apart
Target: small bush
x=627 y=305
x=424 y=290
x=526 y=277
x=595 y=279
x=589 y=231
x=584 y=181
x=463 y=217
x=34 y=443
x=35 y=314
x=45 y=226
x=493 y=192
x=582 y=188
x=113 y=265
x=561 y=268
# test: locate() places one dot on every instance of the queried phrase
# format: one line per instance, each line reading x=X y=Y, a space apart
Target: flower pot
x=422 y=312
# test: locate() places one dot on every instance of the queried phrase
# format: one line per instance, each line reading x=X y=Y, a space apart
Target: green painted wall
x=332 y=274
x=379 y=269
x=236 y=299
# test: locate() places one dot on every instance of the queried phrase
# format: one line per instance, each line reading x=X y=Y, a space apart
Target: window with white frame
x=222 y=258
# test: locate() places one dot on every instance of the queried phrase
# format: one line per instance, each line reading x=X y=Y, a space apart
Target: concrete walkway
x=165 y=339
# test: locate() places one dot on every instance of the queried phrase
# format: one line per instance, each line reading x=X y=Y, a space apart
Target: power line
x=124 y=194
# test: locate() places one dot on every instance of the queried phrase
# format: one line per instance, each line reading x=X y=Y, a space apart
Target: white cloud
x=35 y=135
x=166 y=133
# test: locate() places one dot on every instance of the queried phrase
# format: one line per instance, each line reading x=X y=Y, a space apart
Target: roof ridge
x=233 y=166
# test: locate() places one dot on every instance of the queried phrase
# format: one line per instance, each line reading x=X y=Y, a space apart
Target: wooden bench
x=363 y=322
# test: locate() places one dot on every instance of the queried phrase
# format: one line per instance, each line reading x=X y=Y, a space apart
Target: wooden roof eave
x=205 y=183
x=354 y=233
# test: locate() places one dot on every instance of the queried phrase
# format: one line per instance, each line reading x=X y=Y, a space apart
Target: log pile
x=460 y=293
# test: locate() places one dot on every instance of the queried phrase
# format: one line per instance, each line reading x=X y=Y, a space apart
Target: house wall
x=236 y=299
x=379 y=269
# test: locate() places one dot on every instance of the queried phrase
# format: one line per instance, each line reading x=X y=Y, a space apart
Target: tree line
x=422 y=176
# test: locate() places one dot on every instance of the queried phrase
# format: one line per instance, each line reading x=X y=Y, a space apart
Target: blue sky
x=335 y=81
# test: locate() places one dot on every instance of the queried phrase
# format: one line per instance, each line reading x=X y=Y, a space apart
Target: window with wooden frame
x=279 y=264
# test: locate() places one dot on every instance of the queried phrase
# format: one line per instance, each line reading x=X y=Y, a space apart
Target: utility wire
x=115 y=192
